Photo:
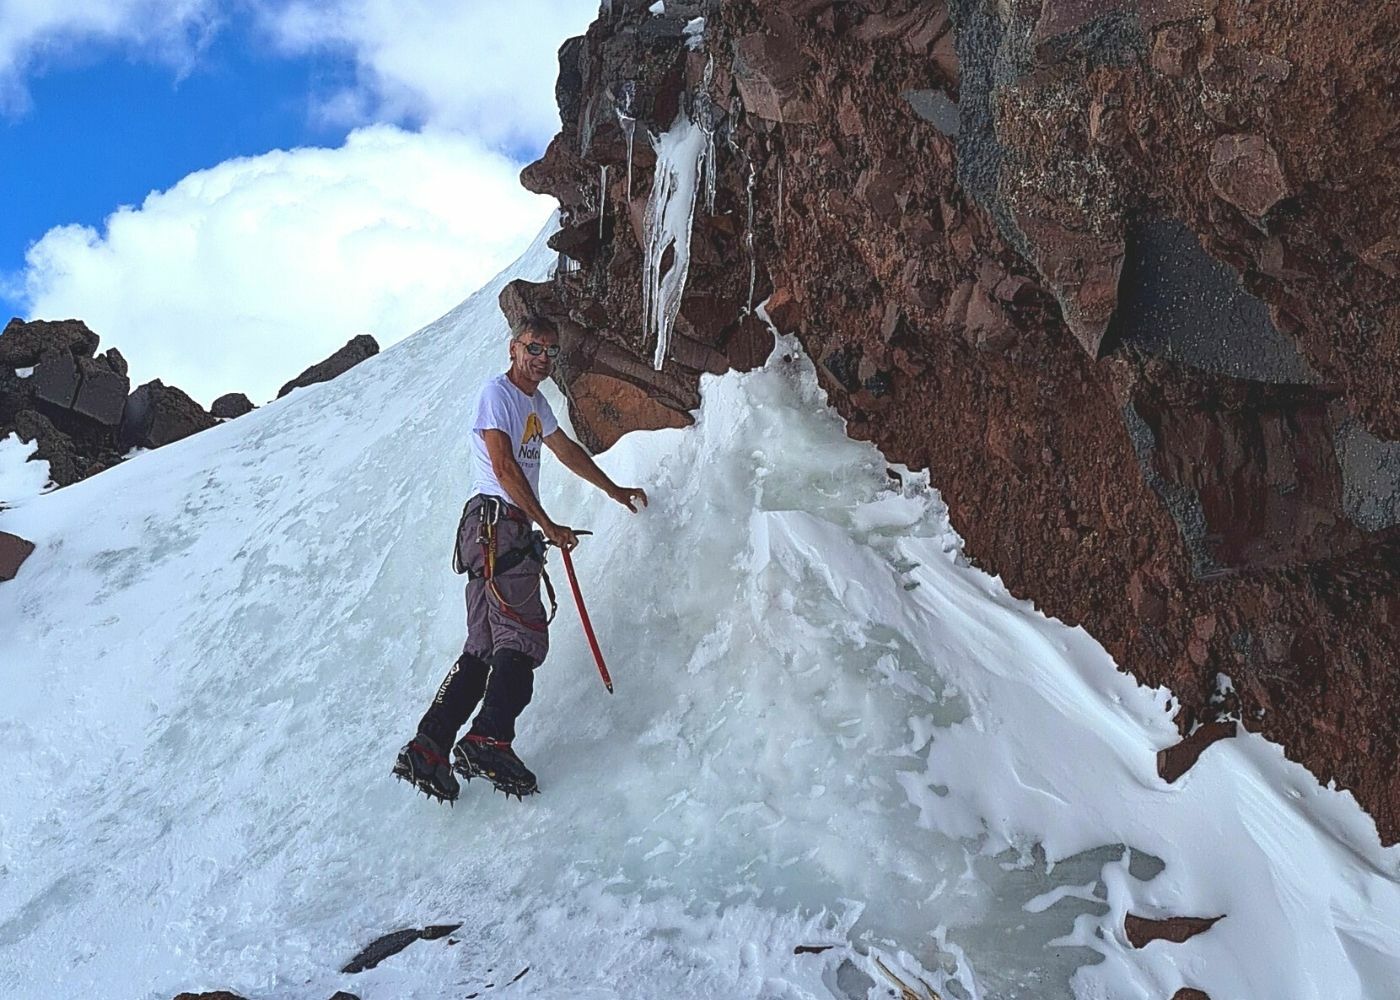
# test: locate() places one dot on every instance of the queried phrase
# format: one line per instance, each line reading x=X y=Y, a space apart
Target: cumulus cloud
x=34 y=34
x=242 y=275
x=480 y=66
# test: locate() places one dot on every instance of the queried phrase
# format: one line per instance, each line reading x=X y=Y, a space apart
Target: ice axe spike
x=583 y=616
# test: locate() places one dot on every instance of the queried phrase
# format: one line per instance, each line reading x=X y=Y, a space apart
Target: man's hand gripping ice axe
x=583 y=614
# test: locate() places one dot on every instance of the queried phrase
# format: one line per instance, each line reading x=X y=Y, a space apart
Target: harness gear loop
x=490 y=513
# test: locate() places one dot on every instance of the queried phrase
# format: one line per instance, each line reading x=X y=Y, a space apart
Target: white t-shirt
x=526 y=420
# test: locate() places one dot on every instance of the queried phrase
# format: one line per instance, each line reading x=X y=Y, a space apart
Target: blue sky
x=229 y=190
x=108 y=131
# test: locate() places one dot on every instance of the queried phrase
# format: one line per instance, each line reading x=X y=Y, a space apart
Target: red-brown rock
x=1142 y=931
x=13 y=552
x=1176 y=760
x=1245 y=171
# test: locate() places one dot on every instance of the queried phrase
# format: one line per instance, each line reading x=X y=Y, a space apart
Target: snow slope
x=828 y=729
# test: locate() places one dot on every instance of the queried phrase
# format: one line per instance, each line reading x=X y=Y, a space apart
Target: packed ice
x=830 y=732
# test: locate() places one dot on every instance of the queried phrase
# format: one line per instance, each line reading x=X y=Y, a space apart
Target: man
x=507 y=631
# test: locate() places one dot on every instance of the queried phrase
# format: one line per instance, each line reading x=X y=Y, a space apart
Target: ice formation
x=669 y=217
x=749 y=239
x=694 y=33
x=829 y=729
x=602 y=198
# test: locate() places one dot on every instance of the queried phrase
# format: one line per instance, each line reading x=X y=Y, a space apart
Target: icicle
x=602 y=198
x=627 y=95
x=629 y=129
x=749 y=241
x=780 y=194
x=669 y=218
x=708 y=116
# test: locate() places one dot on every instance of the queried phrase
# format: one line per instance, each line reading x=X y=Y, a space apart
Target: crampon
x=423 y=765
x=480 y=756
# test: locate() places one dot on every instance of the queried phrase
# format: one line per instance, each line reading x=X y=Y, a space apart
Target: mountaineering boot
x=422 y=763
x=495 y=761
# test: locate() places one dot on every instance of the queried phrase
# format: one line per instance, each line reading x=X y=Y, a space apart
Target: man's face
x=536 y=367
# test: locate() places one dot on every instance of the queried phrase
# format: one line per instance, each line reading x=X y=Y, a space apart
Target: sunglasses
x=535 y=350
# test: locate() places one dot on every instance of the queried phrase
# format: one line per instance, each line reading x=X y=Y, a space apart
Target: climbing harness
x=489 y=514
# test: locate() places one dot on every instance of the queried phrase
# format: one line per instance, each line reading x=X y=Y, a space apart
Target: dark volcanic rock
x=230 y=405
x=66 y=465
x=56 y=380
x=102 y=391
x=393 y=943
x=23 y=344
x=357 y=350
x=158 y=414
x=1137 y=308
x=13 y=552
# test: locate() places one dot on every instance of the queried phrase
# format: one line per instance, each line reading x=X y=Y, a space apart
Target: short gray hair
x=536 y=324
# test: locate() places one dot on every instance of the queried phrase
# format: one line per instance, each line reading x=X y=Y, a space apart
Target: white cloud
x=37 y=33
x=485 y=67
x=242 y=275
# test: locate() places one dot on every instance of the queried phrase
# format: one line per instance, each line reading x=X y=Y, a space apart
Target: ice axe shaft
x=583 y=617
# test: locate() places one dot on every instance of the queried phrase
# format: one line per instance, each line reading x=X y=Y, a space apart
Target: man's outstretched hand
x=629 y=496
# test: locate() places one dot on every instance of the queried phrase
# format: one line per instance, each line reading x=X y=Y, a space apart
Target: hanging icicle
x=749 y=241
x=602 y=198
x=670 y=217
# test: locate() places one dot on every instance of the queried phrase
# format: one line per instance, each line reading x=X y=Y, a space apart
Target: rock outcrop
x=356 y=350
x=1095 y=265
x=13 y=552
x=79 y=406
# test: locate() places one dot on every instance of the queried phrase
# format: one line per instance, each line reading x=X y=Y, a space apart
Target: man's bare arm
x=580 y=463
x=512 y=477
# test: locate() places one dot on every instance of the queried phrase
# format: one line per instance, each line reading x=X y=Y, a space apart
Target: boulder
x=1245 y=171
x=358 y=349
x=230 y=405
x=114 y=361
x=13 y=552
x=769 y=70
x=56 y=380
x=23 y=344
x=158 y=414
x=101 y=392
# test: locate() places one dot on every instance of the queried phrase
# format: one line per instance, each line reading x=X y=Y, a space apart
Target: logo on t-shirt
x=530 y=441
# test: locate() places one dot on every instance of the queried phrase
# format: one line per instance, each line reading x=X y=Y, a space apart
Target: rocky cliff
x=1121 y=273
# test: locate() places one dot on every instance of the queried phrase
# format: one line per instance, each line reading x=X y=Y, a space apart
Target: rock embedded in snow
x=1142 y=931
x=393 y=943
x=13 y=552
x=1176 y=760
x=356 y=350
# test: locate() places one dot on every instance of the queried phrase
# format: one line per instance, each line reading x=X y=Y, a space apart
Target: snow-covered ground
x=829 y=729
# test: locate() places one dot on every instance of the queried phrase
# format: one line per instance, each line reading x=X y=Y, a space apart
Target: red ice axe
x=583 y=616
